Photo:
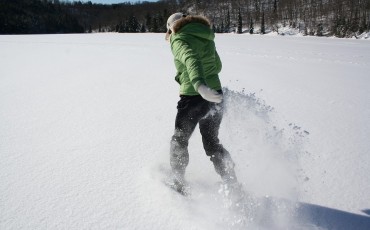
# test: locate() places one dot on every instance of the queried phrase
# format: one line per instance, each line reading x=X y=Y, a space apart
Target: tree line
x=34 y=16
x=341 y=18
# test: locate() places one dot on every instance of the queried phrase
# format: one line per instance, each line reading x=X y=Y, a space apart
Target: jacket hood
x=204 y=31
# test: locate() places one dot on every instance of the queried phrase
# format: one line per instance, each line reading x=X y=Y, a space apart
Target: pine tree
x=142 y=29
x=240 y=22
x=251 y=26
x=320 y=30
x=228 y=22
x=363 y=26
x=155 y=25
x=214 y=28
x=148 y=22
x=133 y=24
x=263 y=29
x=275 y=6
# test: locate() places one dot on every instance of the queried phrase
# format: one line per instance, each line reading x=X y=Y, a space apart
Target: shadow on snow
x=329 y=218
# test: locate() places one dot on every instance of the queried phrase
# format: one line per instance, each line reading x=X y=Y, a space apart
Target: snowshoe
x=179 y=185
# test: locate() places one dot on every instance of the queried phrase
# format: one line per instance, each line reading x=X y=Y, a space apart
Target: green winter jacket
x=196 y=58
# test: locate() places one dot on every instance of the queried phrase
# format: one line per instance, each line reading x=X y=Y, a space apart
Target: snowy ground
x=86 y=121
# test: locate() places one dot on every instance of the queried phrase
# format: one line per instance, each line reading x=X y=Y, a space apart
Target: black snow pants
x=193 y=110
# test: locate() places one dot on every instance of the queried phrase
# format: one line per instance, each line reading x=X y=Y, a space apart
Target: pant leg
x=190 y=109
x=209 y=128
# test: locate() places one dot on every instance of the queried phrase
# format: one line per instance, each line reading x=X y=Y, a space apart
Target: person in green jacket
x=198 y=65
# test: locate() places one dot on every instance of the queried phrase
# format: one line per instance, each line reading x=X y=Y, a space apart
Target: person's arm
x=189 y=57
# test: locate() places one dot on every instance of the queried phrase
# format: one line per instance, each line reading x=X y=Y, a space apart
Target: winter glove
x=209 y=94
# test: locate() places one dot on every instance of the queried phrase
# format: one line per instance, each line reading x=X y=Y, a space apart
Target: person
x=201 y=100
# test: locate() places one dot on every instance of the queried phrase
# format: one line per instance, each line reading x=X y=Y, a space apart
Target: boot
x=178 y=183
x=179 y=156
x=179 y=159
x=224 y=166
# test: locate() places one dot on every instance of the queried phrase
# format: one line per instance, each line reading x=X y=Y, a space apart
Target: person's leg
x=209 y=127
x=190 y=109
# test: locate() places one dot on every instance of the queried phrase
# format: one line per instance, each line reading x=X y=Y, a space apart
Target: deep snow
x=86 y=121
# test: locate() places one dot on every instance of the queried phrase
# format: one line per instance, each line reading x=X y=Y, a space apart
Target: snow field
x=86 y=122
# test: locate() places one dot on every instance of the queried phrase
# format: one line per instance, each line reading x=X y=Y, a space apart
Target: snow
x=86 y=122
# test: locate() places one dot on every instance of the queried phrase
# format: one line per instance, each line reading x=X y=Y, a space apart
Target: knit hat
x=173 y=18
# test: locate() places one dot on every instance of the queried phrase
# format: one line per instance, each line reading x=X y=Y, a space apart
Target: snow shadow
x=328 y=218
x=274 y=213
x=367 y=211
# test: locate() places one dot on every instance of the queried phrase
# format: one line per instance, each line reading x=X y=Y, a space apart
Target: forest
x=340 y=18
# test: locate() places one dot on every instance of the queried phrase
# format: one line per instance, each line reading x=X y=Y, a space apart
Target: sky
x=118 y=1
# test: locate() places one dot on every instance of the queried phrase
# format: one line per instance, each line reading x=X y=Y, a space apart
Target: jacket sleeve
x=184 y=53
x=218 y=62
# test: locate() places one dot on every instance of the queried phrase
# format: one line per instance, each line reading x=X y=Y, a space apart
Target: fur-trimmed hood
x=190 y=19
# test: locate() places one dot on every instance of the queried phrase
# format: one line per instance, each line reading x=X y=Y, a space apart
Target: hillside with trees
x=341 y=18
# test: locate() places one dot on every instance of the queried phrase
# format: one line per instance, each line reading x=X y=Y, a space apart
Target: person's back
x=196 y=59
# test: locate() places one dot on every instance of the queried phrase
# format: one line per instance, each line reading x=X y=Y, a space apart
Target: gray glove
x=209 y=94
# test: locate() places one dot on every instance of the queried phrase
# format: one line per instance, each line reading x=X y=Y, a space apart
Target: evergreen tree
x=228 y=22
x=275 y=6
x=162 y=23
x=320 y=30
x=133 y=24
x=263 y=29
x=155 y=27
x=251 y=26
x=149 y=22
x=222 y=28
x=363 y=26
x=142 y=29
x=240 y=22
